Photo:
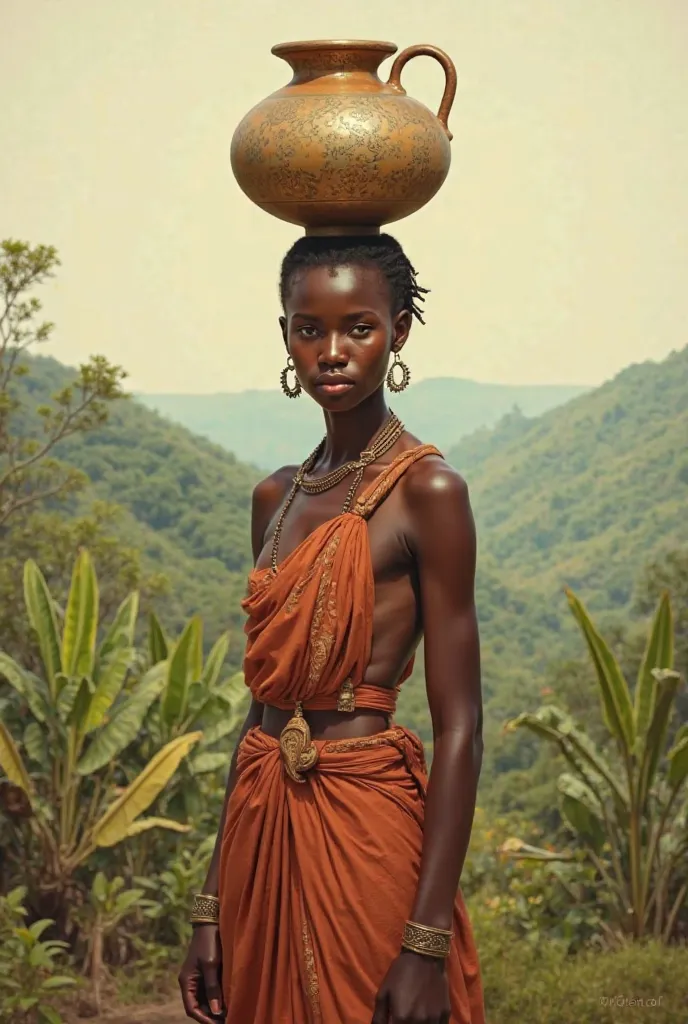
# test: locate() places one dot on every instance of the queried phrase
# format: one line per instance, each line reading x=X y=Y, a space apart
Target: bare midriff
x=328 y=725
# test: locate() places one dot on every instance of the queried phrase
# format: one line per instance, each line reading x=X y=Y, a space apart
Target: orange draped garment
x=317 y=880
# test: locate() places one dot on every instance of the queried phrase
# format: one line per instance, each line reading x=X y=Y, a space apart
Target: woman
x=332 y=896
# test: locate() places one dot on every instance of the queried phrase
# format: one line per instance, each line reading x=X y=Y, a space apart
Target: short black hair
x=381 y=251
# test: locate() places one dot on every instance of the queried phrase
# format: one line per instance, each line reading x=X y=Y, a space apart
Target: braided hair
x=381 y=251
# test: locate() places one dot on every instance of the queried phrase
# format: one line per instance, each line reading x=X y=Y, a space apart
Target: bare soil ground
x=167 y=1013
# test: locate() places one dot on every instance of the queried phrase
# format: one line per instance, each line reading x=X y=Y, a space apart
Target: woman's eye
x=361 y=330
x=307 y=332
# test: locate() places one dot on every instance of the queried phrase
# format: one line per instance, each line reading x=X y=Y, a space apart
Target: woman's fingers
x=213 y=990
x=189 y=985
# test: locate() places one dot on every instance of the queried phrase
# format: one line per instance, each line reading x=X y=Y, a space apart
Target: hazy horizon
x=556 y=253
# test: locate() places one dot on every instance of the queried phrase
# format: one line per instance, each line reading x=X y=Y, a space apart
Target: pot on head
x=337 y=150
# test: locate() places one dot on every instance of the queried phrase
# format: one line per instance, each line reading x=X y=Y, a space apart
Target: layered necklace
x=388 y=434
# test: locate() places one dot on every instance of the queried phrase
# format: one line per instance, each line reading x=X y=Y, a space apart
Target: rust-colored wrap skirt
x=317 y=880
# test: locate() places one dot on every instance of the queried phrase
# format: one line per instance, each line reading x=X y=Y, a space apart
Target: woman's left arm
x=441 y=536
x=444 y=545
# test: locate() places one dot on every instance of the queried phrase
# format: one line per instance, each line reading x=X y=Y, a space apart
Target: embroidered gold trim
x=312 y=984
x=379 y=740
x=324 y=621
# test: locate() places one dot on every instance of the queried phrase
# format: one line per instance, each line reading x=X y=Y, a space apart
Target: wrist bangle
x=205 y=909
x=420 y=938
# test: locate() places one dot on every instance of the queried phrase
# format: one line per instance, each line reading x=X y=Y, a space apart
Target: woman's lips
x=335 y=389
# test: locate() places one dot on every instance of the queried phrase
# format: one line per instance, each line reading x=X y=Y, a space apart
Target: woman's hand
x=199 y=978
x=415 y=991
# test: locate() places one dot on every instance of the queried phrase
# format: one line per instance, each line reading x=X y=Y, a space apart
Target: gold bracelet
x=205 y=909
x=420 y=938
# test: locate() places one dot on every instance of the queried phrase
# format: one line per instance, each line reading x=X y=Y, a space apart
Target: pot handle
x=426 y=50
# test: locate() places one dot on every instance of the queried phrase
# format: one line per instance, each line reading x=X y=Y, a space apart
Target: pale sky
x=557 y=250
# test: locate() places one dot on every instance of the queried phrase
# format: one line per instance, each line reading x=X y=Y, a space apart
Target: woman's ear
x=401 y=328
x=283 y=328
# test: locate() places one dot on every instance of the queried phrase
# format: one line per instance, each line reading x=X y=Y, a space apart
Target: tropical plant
x=110 y=902
x=64 y=786
x=195 y=696
x=169 y=894
x=630 y=817
x=29 y=965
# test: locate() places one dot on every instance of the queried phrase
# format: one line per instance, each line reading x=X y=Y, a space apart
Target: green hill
x=267 y=430
x=185 y=501
x=585 y=494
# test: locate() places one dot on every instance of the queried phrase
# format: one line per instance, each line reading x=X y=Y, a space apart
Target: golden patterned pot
x=337 y=150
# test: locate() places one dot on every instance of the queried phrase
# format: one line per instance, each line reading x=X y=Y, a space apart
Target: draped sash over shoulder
x=309 y=627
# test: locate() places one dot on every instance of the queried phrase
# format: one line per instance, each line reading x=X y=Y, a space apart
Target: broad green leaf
x=659 y=653
x=81 y=619
x=219 y=729
x=58 y=981
x=11 y=761
x=141 y=793
x=180 y=673
x=123 y=627
x=125 y=901
x=144 y=824
x=79 y=709
x=26 y=684
x=66 y=698
x=99 y=889
x=157 y=641
x=35 y=743
x=581 y=809
x=125 y=722
x=38 y=927
x=43 y=618
x=209 y=761
x=551 y=723
x=216 y=660
x=112 y=675
x=667 y=684
x=616 y=700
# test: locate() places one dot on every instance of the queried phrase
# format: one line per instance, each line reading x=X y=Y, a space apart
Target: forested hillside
x=185 y=502
x=264 y=428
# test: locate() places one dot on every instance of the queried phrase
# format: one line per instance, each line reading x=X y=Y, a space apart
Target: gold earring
x=405 y=375
x=295 y=390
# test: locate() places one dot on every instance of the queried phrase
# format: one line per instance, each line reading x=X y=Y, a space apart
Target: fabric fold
x=318 y=880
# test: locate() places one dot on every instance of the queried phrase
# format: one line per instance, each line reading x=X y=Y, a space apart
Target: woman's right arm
x=200 y=976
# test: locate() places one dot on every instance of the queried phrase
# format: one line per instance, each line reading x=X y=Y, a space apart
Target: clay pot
x=337 y=150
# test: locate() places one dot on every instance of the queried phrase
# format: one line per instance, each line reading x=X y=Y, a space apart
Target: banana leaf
x=141 y=793
x=616 y=701
x=11 y=761
x=216 y=660
x=81 y=619
x=43 y=619
x=659 y=653
x=122 y=629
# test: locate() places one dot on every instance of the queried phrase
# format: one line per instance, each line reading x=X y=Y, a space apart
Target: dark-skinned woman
x=333 y=894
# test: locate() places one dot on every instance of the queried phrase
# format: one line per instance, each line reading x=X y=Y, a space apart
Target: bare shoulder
x=437 y=501
x=268 y=496
x=271 y=489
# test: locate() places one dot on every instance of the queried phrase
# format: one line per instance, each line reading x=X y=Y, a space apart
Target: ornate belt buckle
x=346 y=700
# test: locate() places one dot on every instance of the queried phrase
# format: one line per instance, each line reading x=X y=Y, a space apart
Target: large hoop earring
x=296 y=389
x=405 y=375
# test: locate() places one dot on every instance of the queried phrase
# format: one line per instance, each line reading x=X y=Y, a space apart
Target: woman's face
x=339 y=330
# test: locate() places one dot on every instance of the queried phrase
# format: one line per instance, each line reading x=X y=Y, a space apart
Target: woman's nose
x=333 y=351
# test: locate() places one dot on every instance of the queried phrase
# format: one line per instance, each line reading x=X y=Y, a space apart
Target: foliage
x=53 y=542
x=109 y=904
x=29 y=472
x=63 y=788
x=29 y=965
x=170 y=894
x=630 y=818
x=541 y=984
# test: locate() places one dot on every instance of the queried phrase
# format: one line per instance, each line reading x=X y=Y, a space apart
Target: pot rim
x=306 y=45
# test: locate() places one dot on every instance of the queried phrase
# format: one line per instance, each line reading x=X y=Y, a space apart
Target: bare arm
x=444 y=544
